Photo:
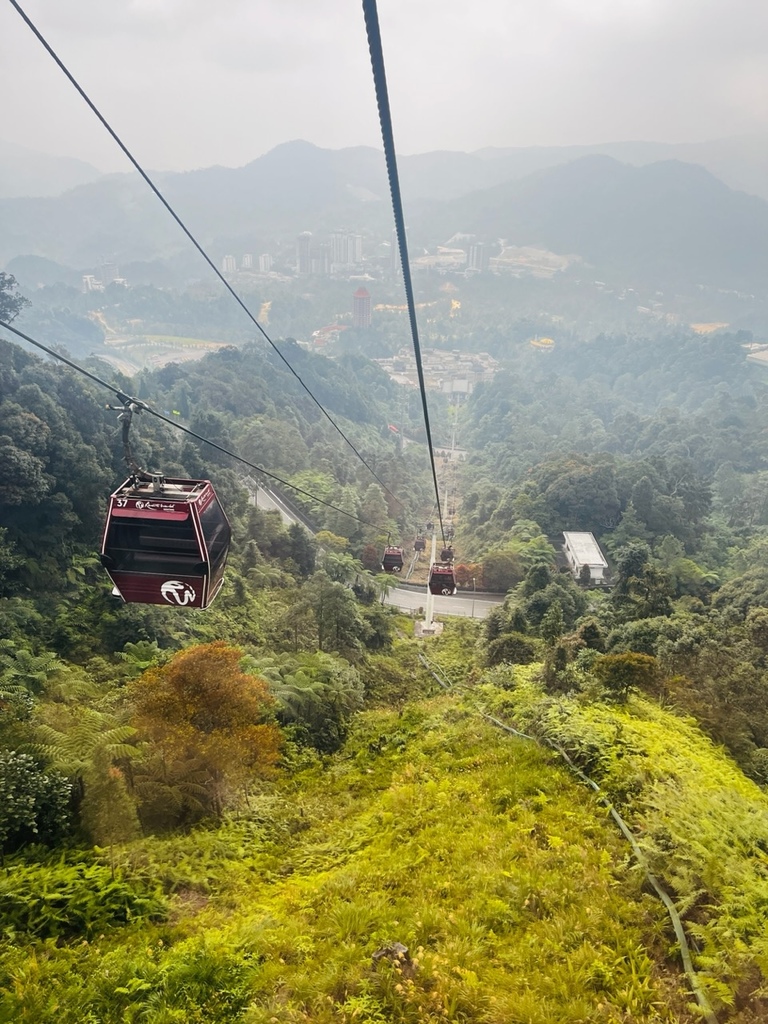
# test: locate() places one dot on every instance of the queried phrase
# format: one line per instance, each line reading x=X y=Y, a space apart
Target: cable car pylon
x=428 y=626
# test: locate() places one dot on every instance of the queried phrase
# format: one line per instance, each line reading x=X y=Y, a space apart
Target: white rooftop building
x=581 y=549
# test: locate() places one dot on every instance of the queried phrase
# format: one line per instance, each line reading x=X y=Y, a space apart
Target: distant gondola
x=446 y=555
x=166 y=542
x=392 y=560
x=442 y=579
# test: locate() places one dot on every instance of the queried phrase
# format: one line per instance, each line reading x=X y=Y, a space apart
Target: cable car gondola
x=441 y=579
x=446 y=555
x=166 y=542
x=419 y=544
x=392 y=560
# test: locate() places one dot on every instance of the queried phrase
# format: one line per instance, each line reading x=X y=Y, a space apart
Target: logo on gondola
x=176 y=592
x=163 y=506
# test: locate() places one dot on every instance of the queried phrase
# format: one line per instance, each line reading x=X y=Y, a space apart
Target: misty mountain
x=741 y=162
x=668 y=224
x=294 y=187
x=25 y=172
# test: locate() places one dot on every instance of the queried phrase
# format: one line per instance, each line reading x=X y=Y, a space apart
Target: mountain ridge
x=669 y=223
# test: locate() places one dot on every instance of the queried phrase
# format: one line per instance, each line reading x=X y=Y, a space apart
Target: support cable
x=156 y=190
x=385 y=118
x=136 y=405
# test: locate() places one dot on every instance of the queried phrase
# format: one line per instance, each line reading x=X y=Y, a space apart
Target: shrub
x=620 y=673
x=34 y=803
x=513 y=648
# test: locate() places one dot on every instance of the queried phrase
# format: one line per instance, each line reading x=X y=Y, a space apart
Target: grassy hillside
x=480 y=853
x=702 y=826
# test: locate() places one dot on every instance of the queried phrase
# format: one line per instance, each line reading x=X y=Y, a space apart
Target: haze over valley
x=586 y=245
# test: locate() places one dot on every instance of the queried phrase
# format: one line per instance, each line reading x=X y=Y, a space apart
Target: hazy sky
x=191 y=83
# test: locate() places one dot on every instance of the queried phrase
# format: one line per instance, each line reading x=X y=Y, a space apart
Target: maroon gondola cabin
x=166 y=543
x=442 y=579
x=392 y=560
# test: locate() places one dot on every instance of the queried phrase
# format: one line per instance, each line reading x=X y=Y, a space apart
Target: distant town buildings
x=249 y=264
x=108 y=274
x=443 y=259
x=361 y=308
x=348 y=255
x=452 y=372
x=312 y=257
x=527 y=260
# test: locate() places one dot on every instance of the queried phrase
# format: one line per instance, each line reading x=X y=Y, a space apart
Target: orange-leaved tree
x=209 y=733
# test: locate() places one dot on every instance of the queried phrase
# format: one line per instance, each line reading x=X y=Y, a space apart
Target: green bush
x=34 y=802
x=513 y=648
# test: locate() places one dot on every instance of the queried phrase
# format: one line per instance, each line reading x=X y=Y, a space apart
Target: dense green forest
x=235 y=815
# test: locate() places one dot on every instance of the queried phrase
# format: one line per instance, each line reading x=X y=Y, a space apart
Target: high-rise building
x=304 y=253
x=361 y=308
x=355 y=249
x=228 y=265
x=478 y=256
x=109 y=272
x=340 y=249
x=247 y=261
x=320 y=258
x=346 y=250
x=265 y=263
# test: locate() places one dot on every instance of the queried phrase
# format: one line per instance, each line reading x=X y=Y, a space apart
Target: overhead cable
x=385 y=118
x=156 y=190
x=127 y=400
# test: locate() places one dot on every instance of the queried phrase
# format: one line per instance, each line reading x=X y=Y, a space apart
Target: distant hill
x=294 y=187
x=25 y=172
x=740 y=162
x=667 y=223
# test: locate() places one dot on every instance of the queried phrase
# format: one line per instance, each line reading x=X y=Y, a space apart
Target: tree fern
x=22 y=667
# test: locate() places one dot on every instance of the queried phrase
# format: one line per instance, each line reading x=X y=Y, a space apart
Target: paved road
x=407 y=599
x=459 y=604
x=268 y=500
